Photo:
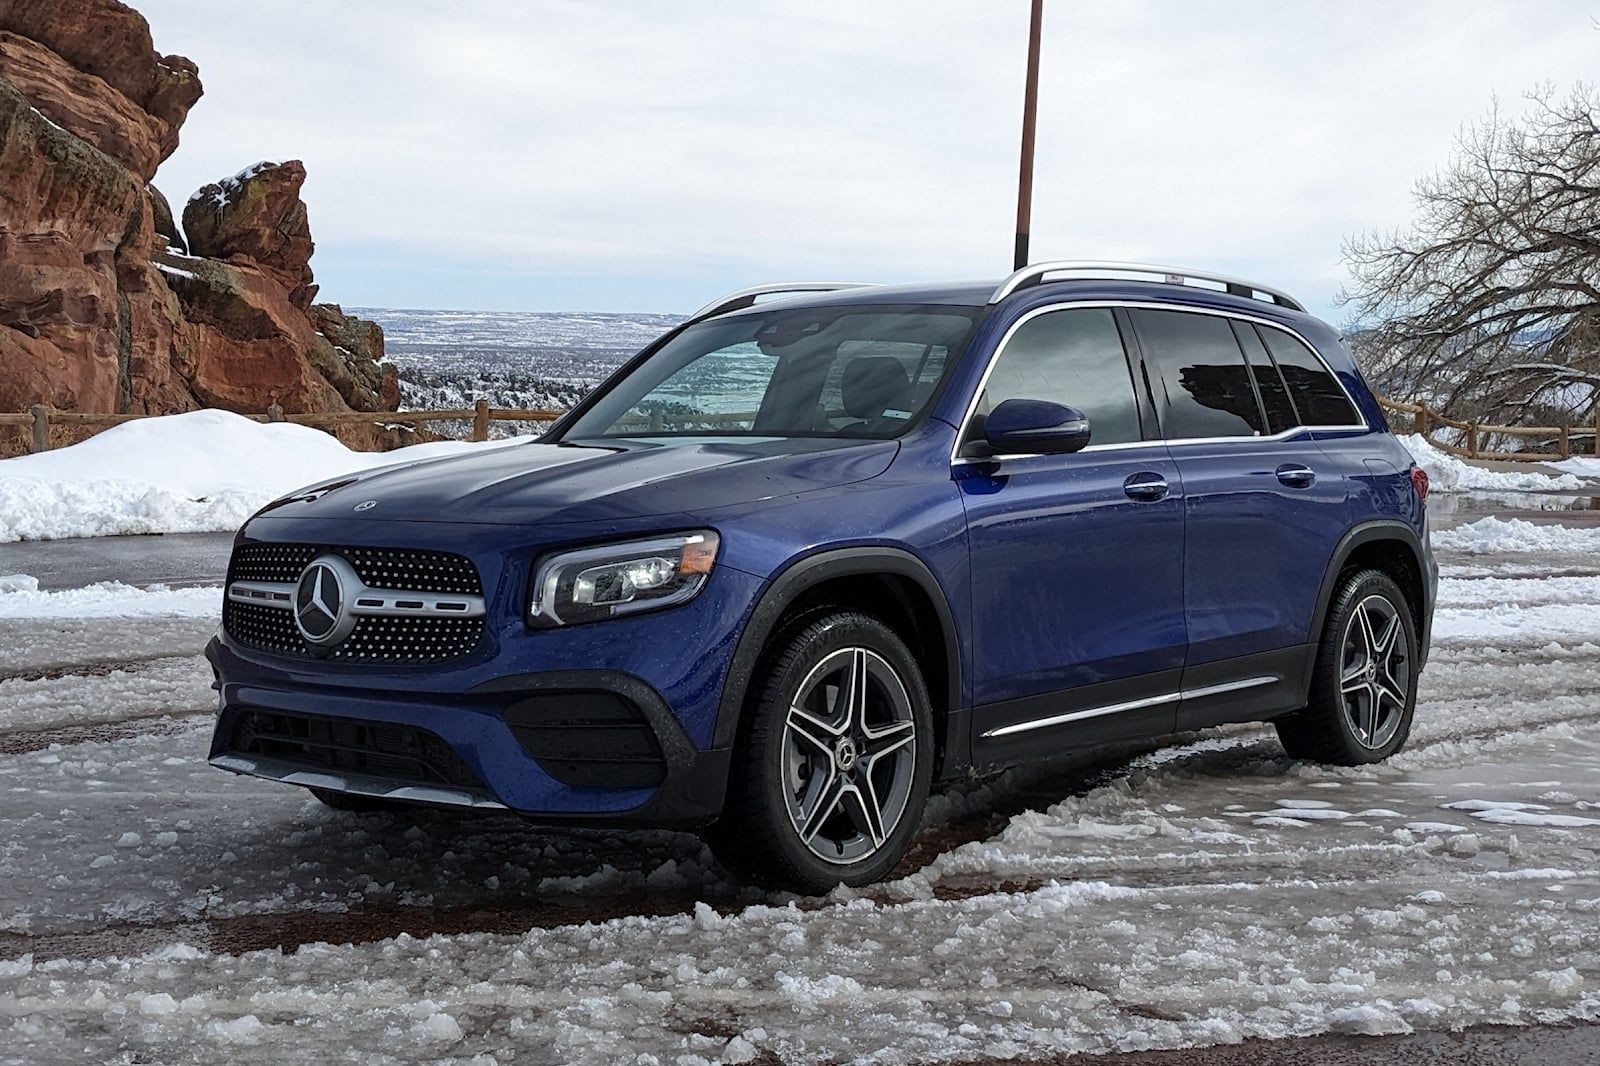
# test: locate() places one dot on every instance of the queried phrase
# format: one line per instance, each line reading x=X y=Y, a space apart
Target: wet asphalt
x=174 y=559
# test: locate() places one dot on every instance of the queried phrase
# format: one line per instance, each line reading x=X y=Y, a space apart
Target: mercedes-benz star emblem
x=321 y=601
x=365 y=505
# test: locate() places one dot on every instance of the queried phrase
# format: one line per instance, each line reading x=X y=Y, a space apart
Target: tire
x=1366 y=659
x=826 y=789
x=347 y=801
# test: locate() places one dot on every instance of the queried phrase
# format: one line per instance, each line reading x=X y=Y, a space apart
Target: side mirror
x=1035 y=427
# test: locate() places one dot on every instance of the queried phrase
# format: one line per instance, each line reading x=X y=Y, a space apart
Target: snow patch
x=1447 y=473
x=203 y=471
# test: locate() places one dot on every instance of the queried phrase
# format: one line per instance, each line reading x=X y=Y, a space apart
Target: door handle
x=1145 y=486
x=1296 y=476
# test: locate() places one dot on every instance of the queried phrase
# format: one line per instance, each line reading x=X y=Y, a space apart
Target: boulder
x=166 y=224
x=257 y=215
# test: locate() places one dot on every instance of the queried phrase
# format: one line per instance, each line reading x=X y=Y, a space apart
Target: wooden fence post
x=275 y=413
x=1566 y=441
x=480 y=420
x=1419 y=420
x=1472 y=441
x=41 y=426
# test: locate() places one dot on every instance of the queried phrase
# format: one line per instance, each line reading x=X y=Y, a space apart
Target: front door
x=1077 y=560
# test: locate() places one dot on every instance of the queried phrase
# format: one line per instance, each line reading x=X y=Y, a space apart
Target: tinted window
x=860 y=371
x=1202 y=385
x=1269 y=383
x=1072 y=357
x=1316 y=394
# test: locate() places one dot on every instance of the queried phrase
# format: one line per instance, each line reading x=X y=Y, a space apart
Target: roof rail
x=735 y=301
x=1105 y=269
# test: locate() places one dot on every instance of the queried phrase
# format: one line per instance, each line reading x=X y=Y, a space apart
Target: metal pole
x=1030 y=115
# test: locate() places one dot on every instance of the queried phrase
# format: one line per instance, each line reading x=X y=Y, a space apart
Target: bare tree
x=1488 y=305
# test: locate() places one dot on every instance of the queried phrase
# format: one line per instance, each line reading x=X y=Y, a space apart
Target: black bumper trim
x=695 y=784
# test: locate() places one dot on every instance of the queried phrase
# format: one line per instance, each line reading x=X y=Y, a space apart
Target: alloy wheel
x=849 y=755
x=1375 y=671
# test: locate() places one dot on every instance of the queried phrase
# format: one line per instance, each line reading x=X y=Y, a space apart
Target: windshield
x=856 y=371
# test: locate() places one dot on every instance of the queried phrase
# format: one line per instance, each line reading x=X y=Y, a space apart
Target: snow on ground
x=1515 y=536
x=191 y=473
x=1447 y=473
x=1197 y=894
x=109 y=599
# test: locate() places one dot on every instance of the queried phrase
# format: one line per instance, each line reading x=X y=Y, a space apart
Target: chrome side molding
x=356 y=784
x=1111 y=270
x=1131 y=705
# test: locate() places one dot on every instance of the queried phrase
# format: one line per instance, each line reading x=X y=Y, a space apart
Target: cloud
x=562 y=154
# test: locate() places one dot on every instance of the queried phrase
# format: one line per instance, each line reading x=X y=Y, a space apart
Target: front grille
x=392 y=640
x=588 y=739
x=410 y=569
x=399 y=753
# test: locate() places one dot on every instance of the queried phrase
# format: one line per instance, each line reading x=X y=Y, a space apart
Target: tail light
x=1419 y=481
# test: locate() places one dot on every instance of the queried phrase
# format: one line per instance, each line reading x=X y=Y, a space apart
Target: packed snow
x=107 y=599
x=198 y=472
x=1447 y=473
x=154 y=909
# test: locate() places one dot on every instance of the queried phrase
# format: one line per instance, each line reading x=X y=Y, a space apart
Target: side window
x=1073 y=357
x=1316 y=394
x=1281 y=414
x=1203 y=386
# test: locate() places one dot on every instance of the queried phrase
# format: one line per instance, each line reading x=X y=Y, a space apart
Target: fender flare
x=806 y=573
x=1365 y=533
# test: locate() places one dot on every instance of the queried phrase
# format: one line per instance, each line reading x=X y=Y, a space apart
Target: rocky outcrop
x=103 y=306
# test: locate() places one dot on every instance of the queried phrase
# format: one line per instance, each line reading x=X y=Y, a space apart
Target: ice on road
x=153 y=909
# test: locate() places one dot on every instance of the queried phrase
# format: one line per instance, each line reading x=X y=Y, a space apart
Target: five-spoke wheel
x=1363 y=683
x=832 y=770
x=851 y=755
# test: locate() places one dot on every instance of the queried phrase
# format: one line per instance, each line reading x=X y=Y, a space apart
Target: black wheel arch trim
x=1366 y=533
x=807 y=572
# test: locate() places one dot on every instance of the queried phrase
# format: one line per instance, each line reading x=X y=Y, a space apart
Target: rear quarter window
x=1314 y=389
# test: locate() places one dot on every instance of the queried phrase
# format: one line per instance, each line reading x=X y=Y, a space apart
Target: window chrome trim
x=956 y=459
x=1132 y=705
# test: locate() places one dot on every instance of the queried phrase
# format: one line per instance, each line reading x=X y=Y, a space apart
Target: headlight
x=592 y=584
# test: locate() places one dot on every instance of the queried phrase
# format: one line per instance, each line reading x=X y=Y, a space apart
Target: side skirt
x=1249 y=688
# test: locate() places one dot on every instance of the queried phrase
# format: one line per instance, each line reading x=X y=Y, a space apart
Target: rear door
x=1077 y=560
x=1264 y=509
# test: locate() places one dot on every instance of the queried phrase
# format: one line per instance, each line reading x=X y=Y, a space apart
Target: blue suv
x=803 y=557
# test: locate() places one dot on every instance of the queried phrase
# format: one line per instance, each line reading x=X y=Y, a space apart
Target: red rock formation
x=100 y=309
x=257 y=215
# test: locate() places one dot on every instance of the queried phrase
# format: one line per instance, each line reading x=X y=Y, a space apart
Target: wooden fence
x=1424 y=418
x=1422 y=421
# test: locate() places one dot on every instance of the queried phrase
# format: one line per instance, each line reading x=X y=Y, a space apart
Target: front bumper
x=524 y=712
x=595 y=747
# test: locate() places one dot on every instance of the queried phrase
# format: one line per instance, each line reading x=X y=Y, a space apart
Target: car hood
x=543 y=483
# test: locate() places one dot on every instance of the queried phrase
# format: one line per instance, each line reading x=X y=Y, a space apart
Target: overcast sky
x=632 y=155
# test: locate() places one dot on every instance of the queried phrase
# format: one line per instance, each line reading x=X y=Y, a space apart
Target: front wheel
x=1364 y=683
x=833 y=771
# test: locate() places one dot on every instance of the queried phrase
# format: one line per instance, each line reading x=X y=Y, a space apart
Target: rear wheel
x=833 y=771
x=1364 y=683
